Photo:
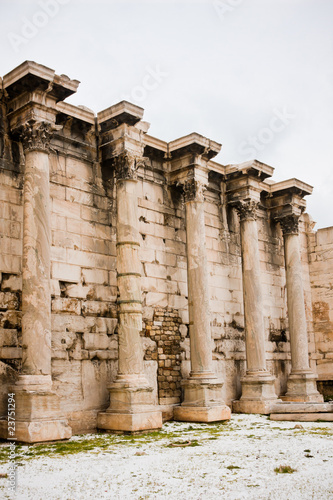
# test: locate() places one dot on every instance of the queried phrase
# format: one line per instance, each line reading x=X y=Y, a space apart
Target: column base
x=302 y=387
x=130 y=422
x=37 y=431
x=258 y=394
x=37 y=412
x=202 y=401
x=202 y=414
x=260 y=407
x=132 y=408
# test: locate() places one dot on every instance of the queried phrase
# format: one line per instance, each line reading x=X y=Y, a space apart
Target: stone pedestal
x=38 y=417
x=131 y=407
x=131 y=403
x=258 y=394
x=202 y=401
x=36 y=405
x=202 y=390
x=301 y=384
x=258 y=390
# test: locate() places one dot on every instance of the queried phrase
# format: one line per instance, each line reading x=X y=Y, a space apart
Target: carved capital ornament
x=194 y=190
x=127 y=164
x=289 y=224
x=247 y=210
x=36 y=136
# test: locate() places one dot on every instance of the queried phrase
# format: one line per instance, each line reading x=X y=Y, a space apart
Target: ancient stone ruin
x=141 y=280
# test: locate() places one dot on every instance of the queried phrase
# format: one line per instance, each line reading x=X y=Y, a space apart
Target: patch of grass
x=320 y=432
x=284 y=469
x=183 y=444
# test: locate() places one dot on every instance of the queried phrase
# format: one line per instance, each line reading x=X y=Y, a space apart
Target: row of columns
x=131 y=404
x=258 y=392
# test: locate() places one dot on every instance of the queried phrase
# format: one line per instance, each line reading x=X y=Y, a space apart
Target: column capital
x=289 y=223
x=194 y=190
x=36 y=135
x=246 y=209
x=127 y=164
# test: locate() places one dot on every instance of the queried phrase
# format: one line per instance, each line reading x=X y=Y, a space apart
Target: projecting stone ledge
x=304 y=412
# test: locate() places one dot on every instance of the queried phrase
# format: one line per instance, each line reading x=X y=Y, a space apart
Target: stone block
x=93 y=341
x=8 y=300
x=77 y=196
x=64 y=208
x=259 y=407
x=130 y=422
x=95 y=308
x=10 y=353
x=10 y=264
x=98 y=276
x=66 y=305
x=202 y=414
x=66 y=272
x=38 y=431
x=8 y=337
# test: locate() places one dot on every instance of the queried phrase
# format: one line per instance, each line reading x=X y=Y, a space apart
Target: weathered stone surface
x=38 y=431
x=202 y=414
x=257 y=384
x=64 y=208
x=143 y=421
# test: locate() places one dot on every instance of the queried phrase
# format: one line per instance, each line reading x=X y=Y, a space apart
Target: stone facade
x=321 y=275
x=127 y=264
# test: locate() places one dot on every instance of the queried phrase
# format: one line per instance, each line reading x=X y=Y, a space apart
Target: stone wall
x=84 y=271
x=321 y=278
x=84 y=287
x=10 y=258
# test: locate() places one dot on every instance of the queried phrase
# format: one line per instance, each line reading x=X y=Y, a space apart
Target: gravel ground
x=234 y=460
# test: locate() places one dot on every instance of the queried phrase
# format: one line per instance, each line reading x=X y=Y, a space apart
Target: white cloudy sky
x=255 y=75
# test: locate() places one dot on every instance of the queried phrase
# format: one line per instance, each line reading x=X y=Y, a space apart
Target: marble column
x=36 y=297
x=301 y=385
x=131 y=403
x=202 y=390
x=37 y=407
x=258 y=384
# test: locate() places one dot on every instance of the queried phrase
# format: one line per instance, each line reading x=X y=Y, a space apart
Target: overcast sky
x=254 y=75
